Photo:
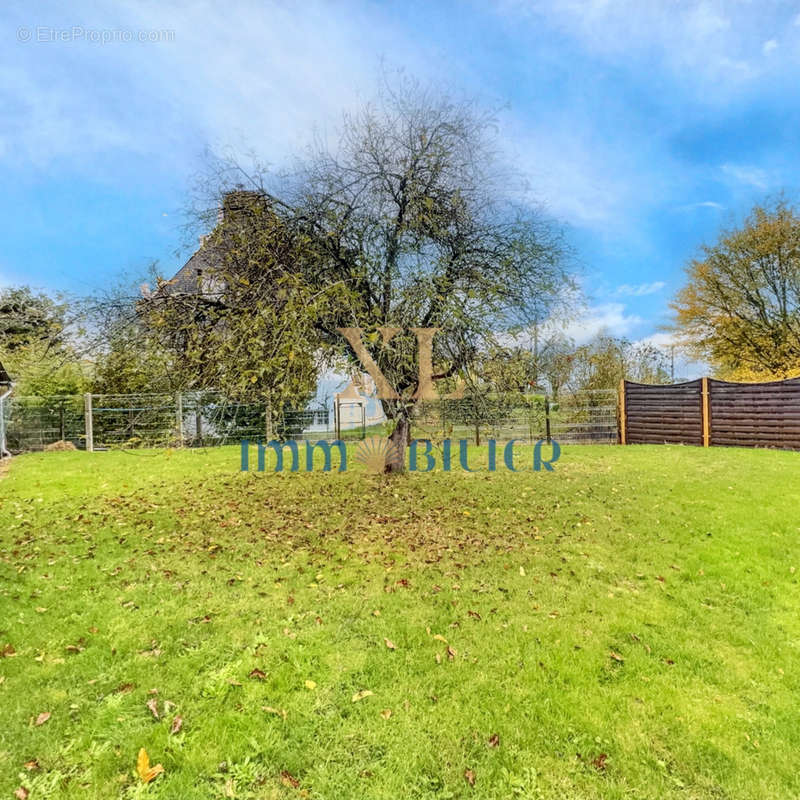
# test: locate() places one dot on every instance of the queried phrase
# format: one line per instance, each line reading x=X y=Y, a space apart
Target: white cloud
x=702 y=42
x=639 y=290
x=769 y=46
x=702 y=204
x=609 y=318
x=749 y=175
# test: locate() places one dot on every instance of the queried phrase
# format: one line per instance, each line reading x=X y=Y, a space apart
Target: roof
x=5 y=379
x=350 y=394
x=187 y=280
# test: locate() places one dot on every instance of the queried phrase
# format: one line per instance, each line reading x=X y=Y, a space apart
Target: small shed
x=350 y=409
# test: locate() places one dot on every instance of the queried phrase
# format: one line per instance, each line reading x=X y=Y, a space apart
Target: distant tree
x=604 y=361
x=38 y=342
x=740 y=308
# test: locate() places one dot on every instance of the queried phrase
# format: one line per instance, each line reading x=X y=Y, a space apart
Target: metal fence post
x=179 y=417
x=547 y=418
x=89 y=422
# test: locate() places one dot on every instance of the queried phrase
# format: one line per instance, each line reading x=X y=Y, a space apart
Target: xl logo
x=425 y=387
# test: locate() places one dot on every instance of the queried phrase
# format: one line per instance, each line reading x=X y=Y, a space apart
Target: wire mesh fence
x=580 y=417
x=208 y=419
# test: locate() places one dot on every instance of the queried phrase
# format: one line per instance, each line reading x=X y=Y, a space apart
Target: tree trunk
x=400 y=438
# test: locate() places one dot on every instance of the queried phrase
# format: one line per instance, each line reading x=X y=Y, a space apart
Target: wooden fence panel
x=663 y=414
x=756 y=414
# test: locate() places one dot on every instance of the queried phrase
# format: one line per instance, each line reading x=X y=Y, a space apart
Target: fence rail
x=712 y=413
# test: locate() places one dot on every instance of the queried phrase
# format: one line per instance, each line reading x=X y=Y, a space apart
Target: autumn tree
x=417 y=216
x=740 y=308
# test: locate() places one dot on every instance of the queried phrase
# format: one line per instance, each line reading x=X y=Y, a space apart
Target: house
x=196 y=278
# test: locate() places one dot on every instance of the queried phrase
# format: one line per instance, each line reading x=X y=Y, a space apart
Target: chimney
x=239 y=201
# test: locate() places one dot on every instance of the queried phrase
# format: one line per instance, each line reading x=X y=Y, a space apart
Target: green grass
x=626 y=625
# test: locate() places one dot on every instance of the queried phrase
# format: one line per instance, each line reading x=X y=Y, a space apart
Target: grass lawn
x=624 y=627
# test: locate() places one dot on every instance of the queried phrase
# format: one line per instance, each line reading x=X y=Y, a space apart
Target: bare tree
x=417 y=215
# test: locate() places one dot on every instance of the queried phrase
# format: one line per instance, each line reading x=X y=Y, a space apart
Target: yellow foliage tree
x=740 y=309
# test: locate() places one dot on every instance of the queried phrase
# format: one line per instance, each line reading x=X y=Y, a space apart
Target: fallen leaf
x=599 y=763
x=270 y=710
x=469 y=776
x=522 y=571
x=616 y=657
x=386 y=713
x=287 y=779
x=474 y=615
x=153 y=706
x=361 y=695
x=7 y=651
x=451 y=653
x=42 y=718
x=390 y=644
x=439 y=638
x=310 y=685
x=31 y=765
x=143 y=768
x=21 y=793
x=494 y=740
x=177 y=724
x=257 y=673
x=376 y=613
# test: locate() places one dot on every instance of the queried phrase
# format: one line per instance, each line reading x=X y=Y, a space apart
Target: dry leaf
x=494 y=740
x=21 y=793
x=599 y=763
x=390 y=644
x=386 y=713
x=451 y=653
x=42 y=718
x=310 y=685
x=177 y=724
x=152 y=704
x=7 y=650
x=31 y=765
x=257 y=673
x=469 y=776
x=287 y=779
x=439 y=638
x=474 y=615
x=143 y=768
x=271 y=710
x=438 y=658
x=616 y=657
x=361 y=695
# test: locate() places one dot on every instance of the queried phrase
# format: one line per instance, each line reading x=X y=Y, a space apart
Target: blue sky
x=643 y=127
